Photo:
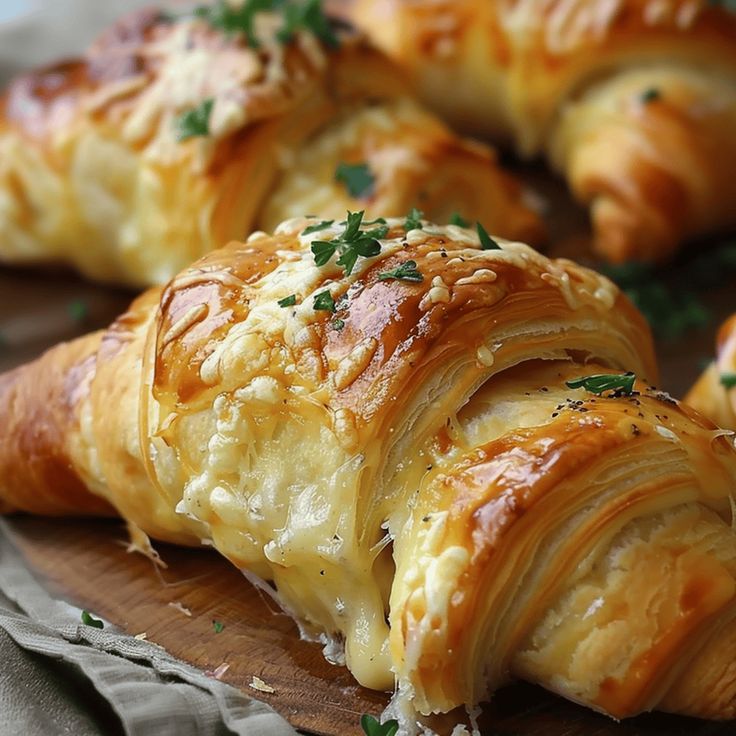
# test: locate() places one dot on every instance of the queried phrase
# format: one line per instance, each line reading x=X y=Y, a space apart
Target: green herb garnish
x=229 y=19
x=407 y=271
x=297 y=15
x=413 y=219
x=372 y=727
x=324 y=302
x=456 y=219
x=196 y=122
x=317 y=227
x=78 y=310
x=622 y=384
x=357 y=178
x=338 y=324
x=650 y=95
x=486 y=241
x=728 y=380
x=350 y=244
x=307 y=15
x=287 y=301
x=217 y=626
x=670 y=310
x=89 y=620
x=725 y=4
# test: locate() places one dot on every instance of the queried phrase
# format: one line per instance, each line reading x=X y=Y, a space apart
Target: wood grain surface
x=86 y=562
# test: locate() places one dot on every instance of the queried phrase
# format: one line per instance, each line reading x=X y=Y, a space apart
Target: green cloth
x=59 y=676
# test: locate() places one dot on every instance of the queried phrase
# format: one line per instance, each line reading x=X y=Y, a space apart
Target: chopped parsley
x=728 y=380
x=350 y=244
x=413 y=219
x=670 y=310
x=301 y=15
x=407 y=271
x=725 y=4
x=357 y=178
x=372 y=727
x=486 y=241
x=317 y=227
x=218 y=626
x=307 y=15
x=338 y=324
x=287 y=301
x=622 y=384
x=324 y=302
x=457 y=219
x=89 y=620
x=196 y=122
x=650 y=95
x=78 y=310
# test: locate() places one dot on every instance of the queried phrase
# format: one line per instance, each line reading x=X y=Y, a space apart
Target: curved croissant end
x=634 y=101
x=97 y=171
x=405 y=451
x=713 y=393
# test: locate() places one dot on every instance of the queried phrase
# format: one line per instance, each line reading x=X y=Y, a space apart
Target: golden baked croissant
x=712 y=393
x=633 y=101
x=173 y=136
x=424 y=438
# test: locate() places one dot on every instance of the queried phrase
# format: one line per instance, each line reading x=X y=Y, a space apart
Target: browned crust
x=39 y=408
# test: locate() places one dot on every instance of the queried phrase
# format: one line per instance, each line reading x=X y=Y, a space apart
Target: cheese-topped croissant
x=173 y=136
x=713 y=393
x=633 y=101
x=410 y=430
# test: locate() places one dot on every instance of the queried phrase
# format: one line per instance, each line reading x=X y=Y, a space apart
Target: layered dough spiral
x=632 y=101
x=411 y=471
x=93 y=174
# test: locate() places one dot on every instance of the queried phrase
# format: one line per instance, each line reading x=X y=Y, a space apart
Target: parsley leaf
x=287 y=301
x=353 y=242
x=218 y=626
x=725 y=4
x=728 y=380
x=223 y=16
x=371 y=726
x=297 y=15
x=413 y=219
x=456 y=219
x=338 y=324
x=486 y=241
x=670 y=310
x=307 y=15
x=89 y=620
x=622 y=384
x=195 y=122
x=324 y=302
x=357 y=178
x=317 y=227
x=407 y=271
x=650 y=95
x=78 y=310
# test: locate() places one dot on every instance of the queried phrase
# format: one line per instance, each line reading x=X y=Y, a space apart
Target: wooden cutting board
x=86 y=563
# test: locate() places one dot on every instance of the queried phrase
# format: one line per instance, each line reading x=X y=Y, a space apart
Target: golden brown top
x=150 y=69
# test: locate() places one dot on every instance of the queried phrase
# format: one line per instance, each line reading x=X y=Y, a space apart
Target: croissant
x=712 y=393
x=425 y=439
x=173 y=136
x=632 y=101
